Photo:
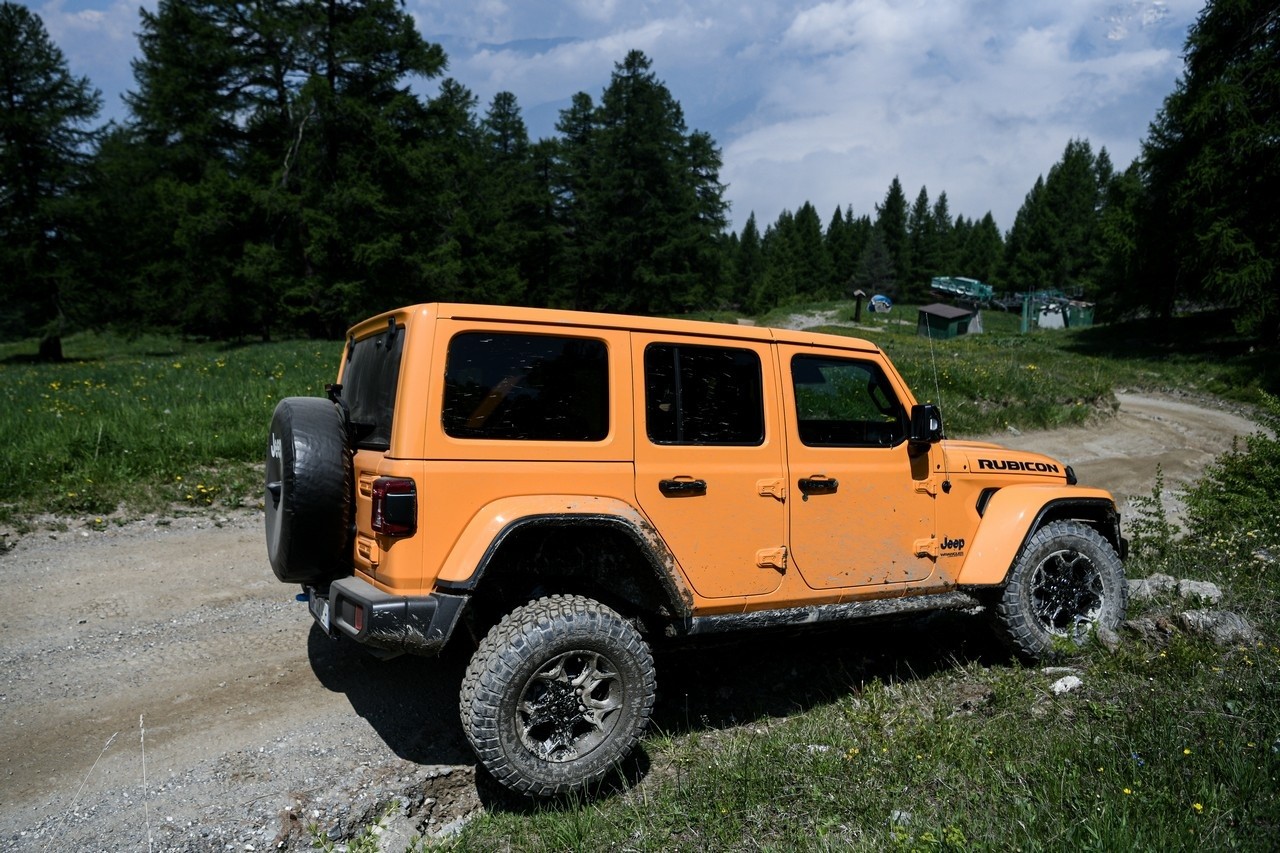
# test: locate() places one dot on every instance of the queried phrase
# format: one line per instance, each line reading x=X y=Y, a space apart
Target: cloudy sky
x=809 y=101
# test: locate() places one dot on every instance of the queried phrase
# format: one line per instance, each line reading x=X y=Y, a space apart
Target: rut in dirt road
x=182 y=629
x=1150 y=432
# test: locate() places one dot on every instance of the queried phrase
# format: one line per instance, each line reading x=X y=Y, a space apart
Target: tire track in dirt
x=1150 y=432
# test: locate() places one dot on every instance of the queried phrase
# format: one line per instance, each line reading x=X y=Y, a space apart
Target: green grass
x=917 y=736
x=129 y=426
x=924 y=735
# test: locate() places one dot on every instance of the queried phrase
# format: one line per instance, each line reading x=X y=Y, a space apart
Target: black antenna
x=937 y=391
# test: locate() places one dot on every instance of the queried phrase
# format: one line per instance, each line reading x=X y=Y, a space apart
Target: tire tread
x=1016 y=623
x=526 y=631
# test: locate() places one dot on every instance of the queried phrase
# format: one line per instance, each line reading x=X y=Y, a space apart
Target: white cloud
x=597 y=10
x=818 y=101
x=91 y=35
x=877 y=25
x=97 y=39
x=956 y=97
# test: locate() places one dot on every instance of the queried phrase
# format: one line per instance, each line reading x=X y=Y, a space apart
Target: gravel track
x=167 y=651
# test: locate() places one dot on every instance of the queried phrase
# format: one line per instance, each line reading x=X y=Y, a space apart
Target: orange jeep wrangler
x=574 y=486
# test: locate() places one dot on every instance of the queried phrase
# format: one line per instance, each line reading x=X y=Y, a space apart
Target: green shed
x=943 y=321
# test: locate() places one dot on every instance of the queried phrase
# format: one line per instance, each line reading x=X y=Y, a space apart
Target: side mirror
x=926 y=425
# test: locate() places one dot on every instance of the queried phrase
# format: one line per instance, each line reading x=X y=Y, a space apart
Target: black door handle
x=682 y=488
x=818 y=485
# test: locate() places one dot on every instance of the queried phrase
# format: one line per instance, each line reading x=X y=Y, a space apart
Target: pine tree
x=1054 y=243
x=944 y=230
x=1119 y=230
x=981 y=249
x=354 y=119
x=1210 y=224
x=780 y=283
x=43 y=162
x=749 y=263
x=286 y=151
x=511 y=205
x=813 y=271
x=573 y=186
x=891 y=222
x=653 y=197
x=446 y=170
x=875 y=273
x=843 y=247
x=921 y=248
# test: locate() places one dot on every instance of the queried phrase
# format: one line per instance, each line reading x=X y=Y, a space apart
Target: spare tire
x=309 y=492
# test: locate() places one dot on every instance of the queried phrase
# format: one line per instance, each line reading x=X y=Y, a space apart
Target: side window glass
x=703 y=395
x=526 y=388
x=845 y=403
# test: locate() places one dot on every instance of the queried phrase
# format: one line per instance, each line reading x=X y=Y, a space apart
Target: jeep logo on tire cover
x=276 y=448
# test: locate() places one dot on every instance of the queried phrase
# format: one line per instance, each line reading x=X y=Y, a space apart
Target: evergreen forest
x=277 y=175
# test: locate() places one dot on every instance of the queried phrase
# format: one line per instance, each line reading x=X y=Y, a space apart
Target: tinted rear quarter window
x=703 y=395
x=369 y=385
x=521 y=387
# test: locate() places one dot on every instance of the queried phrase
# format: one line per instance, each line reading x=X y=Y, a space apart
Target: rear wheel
x=1067 y=583
x=557 y=694
x=308 y=492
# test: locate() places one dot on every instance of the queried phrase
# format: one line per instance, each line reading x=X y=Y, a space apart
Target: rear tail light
x=395 y=506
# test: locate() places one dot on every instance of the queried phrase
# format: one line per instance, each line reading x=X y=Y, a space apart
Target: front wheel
x=1067 y=583
x=557 y=694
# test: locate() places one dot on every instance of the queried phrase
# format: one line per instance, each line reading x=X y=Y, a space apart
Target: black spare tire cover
x=309 y=492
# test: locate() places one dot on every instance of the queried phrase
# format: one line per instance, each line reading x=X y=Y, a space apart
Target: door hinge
x=772 y=558
x=927 y=547
x=927 y=486
x=776 y=488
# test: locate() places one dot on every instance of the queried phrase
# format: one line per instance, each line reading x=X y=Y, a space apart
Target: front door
x=860 y=507
x=709 y=464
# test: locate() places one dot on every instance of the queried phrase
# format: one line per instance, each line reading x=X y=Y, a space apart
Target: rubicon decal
x=1016 y=465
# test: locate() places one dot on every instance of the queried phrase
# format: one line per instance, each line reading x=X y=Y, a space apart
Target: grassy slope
x=130 y=426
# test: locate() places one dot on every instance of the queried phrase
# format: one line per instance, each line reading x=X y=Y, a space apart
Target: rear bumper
x=419 y=625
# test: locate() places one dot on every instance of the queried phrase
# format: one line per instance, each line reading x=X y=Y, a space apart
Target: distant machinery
x=963 y=289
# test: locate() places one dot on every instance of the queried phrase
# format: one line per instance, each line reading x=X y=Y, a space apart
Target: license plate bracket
x=319 y=607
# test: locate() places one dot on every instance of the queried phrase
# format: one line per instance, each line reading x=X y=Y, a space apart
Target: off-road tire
x=309 y=492
x=557 y=694
x=1067 y=582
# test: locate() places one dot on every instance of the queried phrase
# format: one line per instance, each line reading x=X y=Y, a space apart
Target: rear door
x=709 y=460
x=859 y=503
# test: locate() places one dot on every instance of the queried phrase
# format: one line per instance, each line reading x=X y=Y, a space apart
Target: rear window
x=703 y=395
x=519 y=387
x=369 y=386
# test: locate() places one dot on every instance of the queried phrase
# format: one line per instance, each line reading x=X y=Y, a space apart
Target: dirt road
x=1178 y=435
x=162 y=691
